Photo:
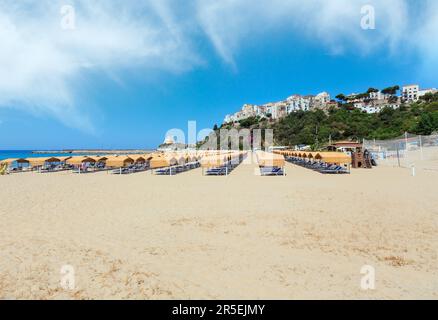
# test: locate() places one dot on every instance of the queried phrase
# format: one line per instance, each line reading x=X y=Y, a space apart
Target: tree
x=430 y=97
x=341 y=97
x=391 y=90
x=249 y=122
x=215 y=128
x=428 y=124
x=315 y=127
x=372 y=90
x=362 y=96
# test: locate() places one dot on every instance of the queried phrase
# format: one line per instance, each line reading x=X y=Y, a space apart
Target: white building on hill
x=410 y=93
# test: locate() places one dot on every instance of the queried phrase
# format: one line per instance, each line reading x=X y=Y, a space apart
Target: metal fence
x=406 y=151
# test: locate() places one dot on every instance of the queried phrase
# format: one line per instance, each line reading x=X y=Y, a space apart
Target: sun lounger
x=334 y=170
x=271 y=171
x=222 y=171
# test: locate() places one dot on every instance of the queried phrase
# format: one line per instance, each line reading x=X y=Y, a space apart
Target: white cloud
x=403 y=27
x=44 y=69
x=334 y=24
x=42 y=66
x=426 y=40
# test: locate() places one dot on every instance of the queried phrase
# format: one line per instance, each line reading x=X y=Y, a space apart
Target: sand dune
x=244 y=236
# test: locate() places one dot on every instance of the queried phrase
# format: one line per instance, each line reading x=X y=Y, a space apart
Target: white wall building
x=378 y=96
x=229 y=118
x=296 y=103
x=375 y=107
x=423 y=92
x=410 y=93
x=323 y=97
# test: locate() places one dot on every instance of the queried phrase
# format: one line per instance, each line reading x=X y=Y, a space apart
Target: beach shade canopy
x=266 y=159
x=64 y=159
x=38 y=162
x=77 y=161
x=191 y=158
x=311 y=155
x=11 y=161
x=178 y=156
x=99 y=159
x=333 y=157
x=119 y=162
x=163 y=161
x=214 y=161
x=282 y=152
x=181 y=159
x=138 y=158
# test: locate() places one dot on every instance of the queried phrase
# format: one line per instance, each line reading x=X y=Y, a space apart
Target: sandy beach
x=244 y=236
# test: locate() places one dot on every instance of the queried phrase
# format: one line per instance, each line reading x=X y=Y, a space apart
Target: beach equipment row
x=323 y=162
x=270 y=164
x=177 y=161
x=328 y=157
x=221 y=163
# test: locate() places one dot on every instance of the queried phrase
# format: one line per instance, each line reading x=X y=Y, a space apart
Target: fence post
x=398 y=157
x=413 y=170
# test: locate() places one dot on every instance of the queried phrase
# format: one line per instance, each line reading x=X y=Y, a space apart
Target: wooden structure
x=360 y=157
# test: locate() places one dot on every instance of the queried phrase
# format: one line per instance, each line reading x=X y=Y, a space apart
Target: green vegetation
x=315 y=127
x=391 y=90
x=345 y=122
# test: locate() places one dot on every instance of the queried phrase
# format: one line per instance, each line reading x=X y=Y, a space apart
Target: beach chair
x=163 y=171
x=334 y=169
x=222 y=171
x=271 y=171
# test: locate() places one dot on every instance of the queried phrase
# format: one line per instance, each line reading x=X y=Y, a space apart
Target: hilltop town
x=372 y=101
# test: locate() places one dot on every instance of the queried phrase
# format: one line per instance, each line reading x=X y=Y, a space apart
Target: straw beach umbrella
x=266 y=159
x=138 y=158
x=99 y=159
x=334 y=157
x=39 y=162
x=214 y=161
x=163 y=161
x=11 y=161
x=78 y=161
x=119 y=162
x=64 y=159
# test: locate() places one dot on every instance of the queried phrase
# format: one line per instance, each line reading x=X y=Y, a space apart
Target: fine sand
x=243 y=236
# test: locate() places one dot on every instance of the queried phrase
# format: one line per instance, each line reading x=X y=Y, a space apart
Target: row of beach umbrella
x=155 y=160
x=216 y=159
x=266 y=159
x=327 y=157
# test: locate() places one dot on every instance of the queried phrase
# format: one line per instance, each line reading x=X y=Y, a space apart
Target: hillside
x=345 y=122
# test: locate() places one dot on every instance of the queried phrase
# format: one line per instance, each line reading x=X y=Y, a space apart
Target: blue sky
x=129 y=71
